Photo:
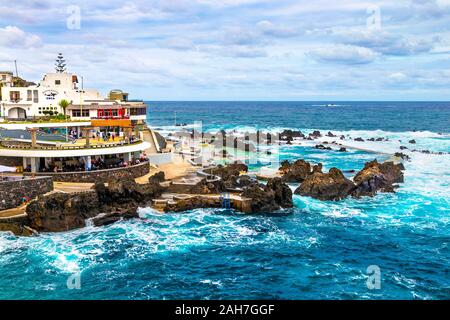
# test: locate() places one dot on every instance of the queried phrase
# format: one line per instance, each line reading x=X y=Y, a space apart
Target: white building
x=41 y=100
x=6 y=78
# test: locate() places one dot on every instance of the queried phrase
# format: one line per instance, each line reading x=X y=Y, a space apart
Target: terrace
x=76 y=145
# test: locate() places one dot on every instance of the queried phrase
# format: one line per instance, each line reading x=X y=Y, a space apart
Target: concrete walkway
x=14 y=212
x=72 y=187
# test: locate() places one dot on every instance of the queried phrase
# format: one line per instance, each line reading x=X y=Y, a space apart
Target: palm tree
x=64 y=104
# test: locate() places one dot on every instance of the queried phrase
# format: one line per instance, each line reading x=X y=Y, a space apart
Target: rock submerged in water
x=322 y=147
x=326 y=186
x=315 y=134
x=402 y=156
x=289 y=135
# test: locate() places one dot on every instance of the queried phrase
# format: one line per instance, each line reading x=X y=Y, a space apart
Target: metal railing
x=64 y=147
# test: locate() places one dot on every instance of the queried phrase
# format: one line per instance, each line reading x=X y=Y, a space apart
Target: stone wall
x=12 y=192
x=135 y=171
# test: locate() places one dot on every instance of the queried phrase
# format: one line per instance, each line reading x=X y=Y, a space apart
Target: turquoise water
x=316 y=250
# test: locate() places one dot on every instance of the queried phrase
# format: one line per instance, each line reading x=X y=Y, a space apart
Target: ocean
x=317 y=250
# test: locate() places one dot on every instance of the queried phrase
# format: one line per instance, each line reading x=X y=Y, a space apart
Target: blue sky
x=237 y=49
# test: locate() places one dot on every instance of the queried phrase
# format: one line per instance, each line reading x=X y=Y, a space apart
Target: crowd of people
x=104 y=136
x=96 y=164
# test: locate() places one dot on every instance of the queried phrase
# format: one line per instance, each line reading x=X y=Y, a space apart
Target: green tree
x=64 y=104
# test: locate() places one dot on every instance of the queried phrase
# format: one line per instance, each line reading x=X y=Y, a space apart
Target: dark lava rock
x=379 y=139
x=342 y=137
x=322 y=147
x=296 y=171
x=326 y=186
x=376 y=177
x=283 y=194
x=129 y=192
x=330 y=134
x=17 y=228
x=342 y=149
x=62 y=211
x=402 y=156
x=412 y=141
x=315 y=134
x=157 y=177
x=245 y=181
x=317 y=168
x=359 y=139
x=104 y=219
x=262 y=198
x=191 y=203
x=232 y=169
x=403 y=147
x=289 y=135
x=208 y=187
x=66 y=211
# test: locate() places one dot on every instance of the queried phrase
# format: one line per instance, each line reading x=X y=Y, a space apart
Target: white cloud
x=270 y=29
x=383 y=41
x=344 y=54
x=12 y=36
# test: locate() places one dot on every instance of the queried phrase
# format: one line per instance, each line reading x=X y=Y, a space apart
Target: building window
x=80 y=113
x=29 y=93
x=57 y=82
x=35 y=96
x=138 y=111
x=3 y=77
x=14 y=96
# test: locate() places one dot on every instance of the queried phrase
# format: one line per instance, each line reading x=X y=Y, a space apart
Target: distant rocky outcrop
x=322 y=147
x=289 y=135
x=315 y=134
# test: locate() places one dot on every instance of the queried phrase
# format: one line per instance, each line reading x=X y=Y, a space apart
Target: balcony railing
x=67 y=147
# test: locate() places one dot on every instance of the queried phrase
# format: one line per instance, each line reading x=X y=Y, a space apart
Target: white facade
x=6 y=78
x=20 y=103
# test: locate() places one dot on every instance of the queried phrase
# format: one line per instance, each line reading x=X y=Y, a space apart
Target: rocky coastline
x=120 y=199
